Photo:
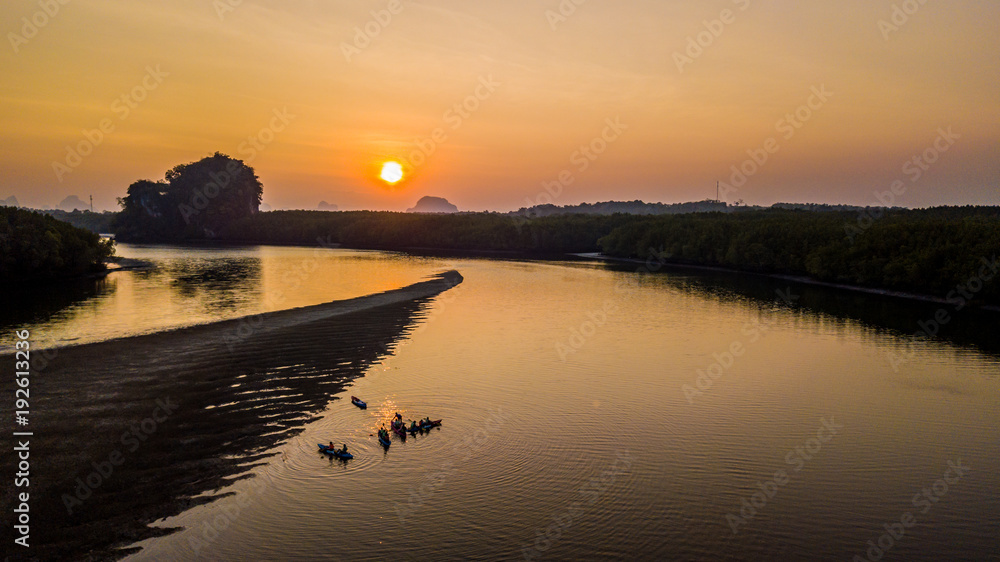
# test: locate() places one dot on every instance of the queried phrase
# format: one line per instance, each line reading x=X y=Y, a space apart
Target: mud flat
x=133 y=430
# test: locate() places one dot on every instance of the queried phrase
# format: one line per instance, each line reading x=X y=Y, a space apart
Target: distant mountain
x=324 y=206
x=643 y=208
x=264 y=207
x=9 y=202
x=818 y=207
x=72 y=203
x=627 y=207
x=433 y=205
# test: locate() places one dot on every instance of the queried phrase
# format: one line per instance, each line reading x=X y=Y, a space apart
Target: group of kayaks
x=398 y=426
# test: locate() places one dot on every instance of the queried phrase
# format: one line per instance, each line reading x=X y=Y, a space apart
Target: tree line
x=485 y=232
x=87 y=220
x=37 y=247
x=927 y=251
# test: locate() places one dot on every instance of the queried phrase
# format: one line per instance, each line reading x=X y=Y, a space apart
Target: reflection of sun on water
x=392 y=172
x=384 y=413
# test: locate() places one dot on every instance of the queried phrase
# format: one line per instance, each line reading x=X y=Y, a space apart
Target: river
x=590 y=411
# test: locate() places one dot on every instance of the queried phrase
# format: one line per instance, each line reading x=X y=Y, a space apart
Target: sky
x=501 y=105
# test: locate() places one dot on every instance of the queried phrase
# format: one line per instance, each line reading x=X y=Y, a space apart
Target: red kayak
x=358 y=402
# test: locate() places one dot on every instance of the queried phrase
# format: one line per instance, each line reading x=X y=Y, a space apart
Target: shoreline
x=596 y=257
x=414 y=250
x=803 y=280
x=118 y=263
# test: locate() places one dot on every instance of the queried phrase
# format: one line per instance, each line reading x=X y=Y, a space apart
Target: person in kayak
x=344 y=450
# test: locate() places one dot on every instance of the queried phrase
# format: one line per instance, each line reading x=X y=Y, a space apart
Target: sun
x=392 y=172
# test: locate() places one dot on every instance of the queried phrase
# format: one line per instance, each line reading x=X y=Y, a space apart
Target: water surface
x=571 y=429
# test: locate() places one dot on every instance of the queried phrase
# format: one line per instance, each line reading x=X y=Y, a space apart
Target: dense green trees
x=928 y=251
x=924 y=251
x=194 y=201
x=36 y=247
x=491 y=232
x=94 y=222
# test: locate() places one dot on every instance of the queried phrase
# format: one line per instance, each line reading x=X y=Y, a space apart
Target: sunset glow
x=490 y=102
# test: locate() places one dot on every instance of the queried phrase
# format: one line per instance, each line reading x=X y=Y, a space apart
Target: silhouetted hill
x=817 y=207
x=324 y=206
x=642 y=208
x=628 y=207
x=9 y=202
x=433 y=205
x=72 y=203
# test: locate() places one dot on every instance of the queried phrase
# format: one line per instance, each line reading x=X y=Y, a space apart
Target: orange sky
x=323 y=106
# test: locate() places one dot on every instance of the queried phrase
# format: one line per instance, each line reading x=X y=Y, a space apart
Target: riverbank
x=133 y=430
x=591 y=256
x=802 y=280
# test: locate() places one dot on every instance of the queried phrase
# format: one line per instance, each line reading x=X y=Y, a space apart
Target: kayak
x=434 y=423
x=334 y=452
x=384 y=441
x=399 y=428
x=358 y=402
x=413 y=430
